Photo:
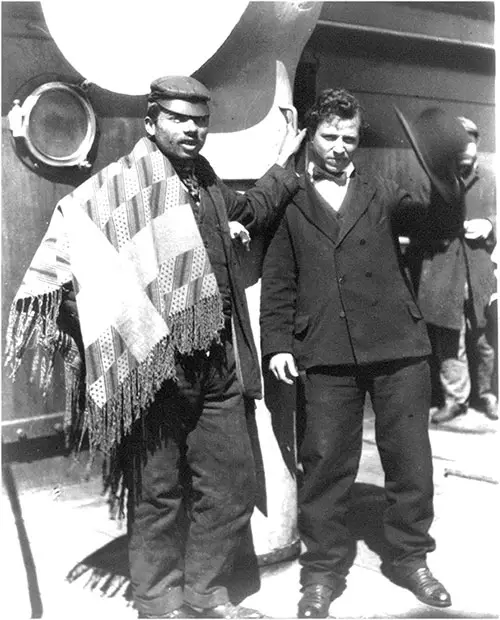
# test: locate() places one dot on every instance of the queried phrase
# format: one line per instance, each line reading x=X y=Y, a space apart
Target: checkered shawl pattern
x=128 y=241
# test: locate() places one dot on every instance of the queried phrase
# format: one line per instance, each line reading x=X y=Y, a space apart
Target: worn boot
x=490 y=406
x=424 y=586
x=315 y=601
x=448 y=412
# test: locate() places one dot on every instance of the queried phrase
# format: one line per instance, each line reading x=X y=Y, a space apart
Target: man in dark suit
x=338 y=309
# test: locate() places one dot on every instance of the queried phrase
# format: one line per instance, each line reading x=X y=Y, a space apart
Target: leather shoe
x=490 y=406
x=448 y=412
x=425 y=587
x=226 y=610
x=315 y=601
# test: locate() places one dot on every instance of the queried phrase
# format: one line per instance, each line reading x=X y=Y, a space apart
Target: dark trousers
x=192 y=483
x=330 y=453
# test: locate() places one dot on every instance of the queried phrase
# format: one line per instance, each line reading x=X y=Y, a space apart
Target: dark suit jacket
x=343 y=299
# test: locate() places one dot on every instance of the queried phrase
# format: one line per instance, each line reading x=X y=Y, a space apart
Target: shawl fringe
x=33 y=325
x=195 y=328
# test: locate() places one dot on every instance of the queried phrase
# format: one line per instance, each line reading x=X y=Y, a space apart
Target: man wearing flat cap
x=141 y=294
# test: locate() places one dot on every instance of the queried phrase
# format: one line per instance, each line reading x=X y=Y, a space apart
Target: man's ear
x=150 y=127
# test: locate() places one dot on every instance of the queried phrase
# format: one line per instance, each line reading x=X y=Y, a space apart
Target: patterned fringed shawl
x=128 y=241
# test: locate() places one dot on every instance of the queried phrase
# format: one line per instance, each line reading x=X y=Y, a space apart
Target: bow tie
x=318 y=174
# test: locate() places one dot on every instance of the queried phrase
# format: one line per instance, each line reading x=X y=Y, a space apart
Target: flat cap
x=181 y=94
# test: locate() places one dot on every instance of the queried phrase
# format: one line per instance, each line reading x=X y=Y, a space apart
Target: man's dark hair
x=333 y=102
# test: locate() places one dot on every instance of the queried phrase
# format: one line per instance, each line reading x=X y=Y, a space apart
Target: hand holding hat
x=438 y=140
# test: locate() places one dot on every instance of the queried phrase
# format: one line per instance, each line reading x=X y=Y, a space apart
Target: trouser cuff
x=403 y=569
x=333 y=581
x=172 y=599
x=219 y=596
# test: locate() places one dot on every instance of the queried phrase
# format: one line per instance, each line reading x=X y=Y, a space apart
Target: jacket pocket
x=414 y=311
x=300 y=326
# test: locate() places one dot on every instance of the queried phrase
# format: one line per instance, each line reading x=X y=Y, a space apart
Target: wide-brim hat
x=438 y=139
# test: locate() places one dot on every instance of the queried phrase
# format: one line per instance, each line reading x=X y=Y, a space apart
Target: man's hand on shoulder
x=283 y=367
x=291 y=143
x=479 y=228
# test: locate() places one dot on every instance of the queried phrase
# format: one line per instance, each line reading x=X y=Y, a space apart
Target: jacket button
x=341 y=279
x=342 y=314
x=362 y=241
